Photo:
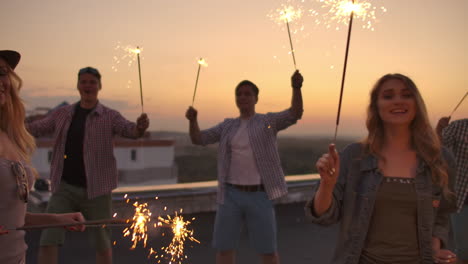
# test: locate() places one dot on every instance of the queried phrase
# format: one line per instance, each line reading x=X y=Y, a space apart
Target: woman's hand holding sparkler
x=329 y=168
x=70 y=218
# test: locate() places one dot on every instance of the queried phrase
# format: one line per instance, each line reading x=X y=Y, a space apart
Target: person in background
x=249 y=171
x=455 y=137
x=83 y=166
x=16 y=174
x=392 y=192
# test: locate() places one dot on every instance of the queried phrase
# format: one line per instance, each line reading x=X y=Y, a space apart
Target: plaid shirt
x=455 y=137
x=262 y=130
x=98 y=144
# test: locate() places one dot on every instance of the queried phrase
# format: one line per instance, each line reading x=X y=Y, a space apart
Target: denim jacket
x=354 y=198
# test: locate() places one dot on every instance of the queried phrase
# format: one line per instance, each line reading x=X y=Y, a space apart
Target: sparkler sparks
x=287 y=14
x=125 y=53
x=181 y=233
x=340 y=10
x=139 y=228
x=138 y=231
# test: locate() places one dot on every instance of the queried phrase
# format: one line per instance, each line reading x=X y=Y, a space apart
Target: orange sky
x=425 y=39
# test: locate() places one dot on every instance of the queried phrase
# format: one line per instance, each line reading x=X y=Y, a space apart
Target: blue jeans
x=460 y=233
x=252 y=209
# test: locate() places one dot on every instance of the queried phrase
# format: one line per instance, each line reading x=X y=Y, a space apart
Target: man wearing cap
x=83 y=167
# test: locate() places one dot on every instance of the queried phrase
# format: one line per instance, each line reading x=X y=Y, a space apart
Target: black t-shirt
x=73 y=168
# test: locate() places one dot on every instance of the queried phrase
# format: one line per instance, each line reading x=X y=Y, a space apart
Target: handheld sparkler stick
x=291 y=44
x=196 y=84
x=456 y=107
x=94 y=223
x=344 y=72
x=201 y=62
x=138 y=51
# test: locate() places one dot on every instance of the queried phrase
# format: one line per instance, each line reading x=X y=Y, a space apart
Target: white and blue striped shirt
x=262 y=130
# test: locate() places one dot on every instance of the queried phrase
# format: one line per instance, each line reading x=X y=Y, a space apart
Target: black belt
x=248 y=188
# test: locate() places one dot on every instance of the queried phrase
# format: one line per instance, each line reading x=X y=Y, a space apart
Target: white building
x=139 y=162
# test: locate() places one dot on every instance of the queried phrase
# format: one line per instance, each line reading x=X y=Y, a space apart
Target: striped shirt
x=262 y=130
x=455 y=137
x=102 y=124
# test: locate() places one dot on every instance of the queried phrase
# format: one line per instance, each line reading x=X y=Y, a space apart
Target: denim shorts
x=460 y=232
x=69 y=198
x=250 y=210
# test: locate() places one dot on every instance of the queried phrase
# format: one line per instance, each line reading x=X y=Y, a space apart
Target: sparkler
x=201 y=62
x=352 y=9
x=131 y=55
x=138 y=51
x=343 y=12
x=339 y=11
x=456 y=107
x=94 y=223
x=181 y=233
x=287 y=14
x=139 y=227
x=179 y=227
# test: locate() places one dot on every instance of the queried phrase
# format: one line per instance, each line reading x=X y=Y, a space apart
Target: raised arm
x=194 y=129
x=296 y=102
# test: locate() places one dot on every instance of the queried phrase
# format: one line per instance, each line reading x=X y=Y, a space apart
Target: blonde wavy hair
x=424 y=140
x=12 y=115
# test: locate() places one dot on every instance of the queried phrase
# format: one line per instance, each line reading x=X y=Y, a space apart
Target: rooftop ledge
x=290 y=180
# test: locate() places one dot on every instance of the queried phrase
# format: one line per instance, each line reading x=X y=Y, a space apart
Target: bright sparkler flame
x=339 y=11
x=202 y=62
x=181 y=232
x=128 y=54
x=139 y=228
x=286 y=13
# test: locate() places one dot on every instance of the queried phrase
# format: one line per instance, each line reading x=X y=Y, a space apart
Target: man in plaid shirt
x=83 y=167
x=455 y=137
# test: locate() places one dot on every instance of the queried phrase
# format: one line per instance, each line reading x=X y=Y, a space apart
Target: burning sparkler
x=287 y=14
x=201 y=62
x=130 y=55
x=138 y=51
x=181 y=233
x=343 y=12
x=339 y=12
x=139 y=228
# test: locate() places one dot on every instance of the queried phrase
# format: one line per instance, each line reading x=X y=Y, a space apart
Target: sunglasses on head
x=21 y=181
x=89 y=70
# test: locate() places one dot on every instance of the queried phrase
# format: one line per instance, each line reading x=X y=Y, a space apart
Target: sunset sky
x=424 y=39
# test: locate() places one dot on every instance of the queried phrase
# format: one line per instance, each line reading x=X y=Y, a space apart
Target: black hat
x=11 y=57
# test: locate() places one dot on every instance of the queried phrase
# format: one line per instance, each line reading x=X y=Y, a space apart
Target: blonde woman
x=391 y=192
x=16 y=175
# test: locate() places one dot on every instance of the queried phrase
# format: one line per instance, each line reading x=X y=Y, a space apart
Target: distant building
x=139 y=162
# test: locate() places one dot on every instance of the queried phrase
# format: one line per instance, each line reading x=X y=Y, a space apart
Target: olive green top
x=393 y=233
